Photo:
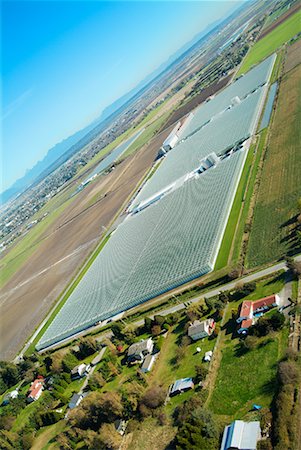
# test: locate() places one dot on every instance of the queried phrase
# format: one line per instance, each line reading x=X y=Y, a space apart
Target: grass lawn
x=271 y=42
x=248 y=378
x=165 y=370
x=273 y=229
x=150 y=435
x=46 y=434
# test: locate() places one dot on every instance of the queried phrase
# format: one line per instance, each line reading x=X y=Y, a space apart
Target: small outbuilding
x=241 y=435
x=208 y=356
x=78 y=372
x=75 y=400
x=139 y=350
x=181 y=385
x=199 y=330
x=148 y=363
x=10 y=396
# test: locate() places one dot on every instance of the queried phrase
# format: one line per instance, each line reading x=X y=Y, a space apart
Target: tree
x=201 y=372
x=156 y=330
x=153 y=397
x=87 y=346
x=95 y=409
x=223 y=297
x=159 y=320
x=96 y=381
x=9 y=375
x=293 y=266
x=109 y=436
x=148 y=323
x=288 y=373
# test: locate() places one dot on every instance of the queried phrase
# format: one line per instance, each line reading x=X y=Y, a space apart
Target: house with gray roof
x=139 y=350
x=240 y=435
x=199 y=330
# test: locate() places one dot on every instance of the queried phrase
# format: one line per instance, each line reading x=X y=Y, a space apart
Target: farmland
x=272 y=233
x=272 y=41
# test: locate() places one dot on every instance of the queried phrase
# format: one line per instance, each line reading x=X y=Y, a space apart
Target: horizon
x=23 y=112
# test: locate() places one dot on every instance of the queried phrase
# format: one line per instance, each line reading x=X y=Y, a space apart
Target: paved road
x=226 y=287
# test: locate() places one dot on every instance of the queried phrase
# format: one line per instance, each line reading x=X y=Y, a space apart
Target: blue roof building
x=182 y=385
x=241 y=435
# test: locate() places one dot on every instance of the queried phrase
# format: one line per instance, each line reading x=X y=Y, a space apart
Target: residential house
x=250 y=310
x=199 y=330
x=36 y=389
x=75 y=400
x=78 y=371
x=179 y=386
x=138 y=350
x=10 y=396
x=241 y=435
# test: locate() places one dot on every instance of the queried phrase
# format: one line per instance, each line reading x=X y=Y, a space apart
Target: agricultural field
x=293 y=57
x=271 y=42
x=273 y=230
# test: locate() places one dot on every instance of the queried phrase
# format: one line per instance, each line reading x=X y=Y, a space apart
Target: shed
x=181 y=385
x=75 y=400
x=241 y=435
x=148 y=363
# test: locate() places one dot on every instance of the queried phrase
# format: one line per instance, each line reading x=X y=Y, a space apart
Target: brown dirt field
x=197 y=100
x=32 y=291
x=281 y=19
x=293 y=57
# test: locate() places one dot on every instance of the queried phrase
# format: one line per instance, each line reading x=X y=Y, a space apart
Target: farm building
x=182 y=385
x=75 y=400
x=78 y=371
x=241 y=435
x=176 y=237
x=200 y=330
x=35 y=390
x=139 y=350
x=148 y=363
x=250 y=310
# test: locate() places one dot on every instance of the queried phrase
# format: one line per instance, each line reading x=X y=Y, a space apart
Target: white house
x=78 y=371
x=139 y=350
x=199 y=330
x=148 y=363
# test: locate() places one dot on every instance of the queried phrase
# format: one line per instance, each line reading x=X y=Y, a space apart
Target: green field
x=271 y=18
x=271 y=42
x=249 y=378
x=246 y=379
x=273 y=230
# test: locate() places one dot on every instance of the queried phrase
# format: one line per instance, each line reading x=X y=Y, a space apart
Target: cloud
x=16 y=104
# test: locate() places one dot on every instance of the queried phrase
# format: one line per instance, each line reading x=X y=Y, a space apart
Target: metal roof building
x=241 y=435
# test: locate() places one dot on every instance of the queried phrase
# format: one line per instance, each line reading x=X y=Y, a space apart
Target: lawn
x=244 y=379
x=248 y=378
x=271 y=42
x=150 y=435
x=46 y=434
x=165 y=370
x=273 y=229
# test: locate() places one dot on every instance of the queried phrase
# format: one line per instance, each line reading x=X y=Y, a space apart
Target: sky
x=63 y=62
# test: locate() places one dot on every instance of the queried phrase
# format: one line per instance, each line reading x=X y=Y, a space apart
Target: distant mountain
x=62 y=151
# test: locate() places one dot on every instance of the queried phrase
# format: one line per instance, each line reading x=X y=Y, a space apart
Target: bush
x=201 y=372
x=153 y=397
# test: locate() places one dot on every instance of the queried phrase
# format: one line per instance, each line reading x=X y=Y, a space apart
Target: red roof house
x=35 y=390
x=249 y=310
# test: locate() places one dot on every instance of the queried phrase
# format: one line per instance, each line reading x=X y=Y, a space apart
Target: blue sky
x=63 y=62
